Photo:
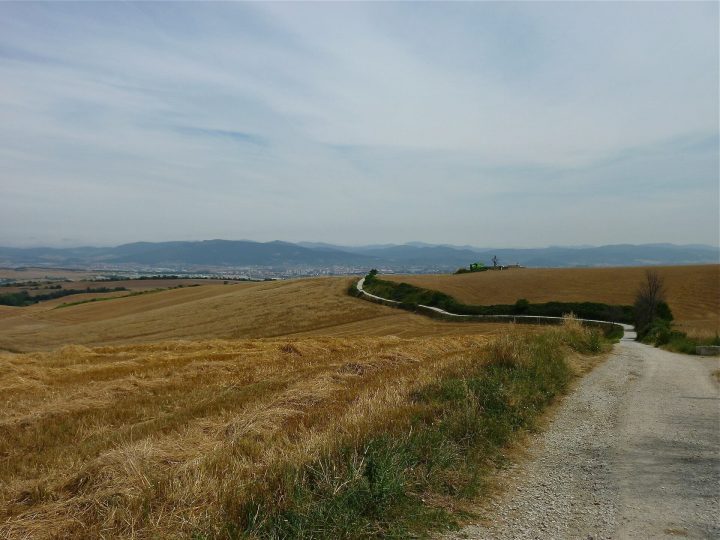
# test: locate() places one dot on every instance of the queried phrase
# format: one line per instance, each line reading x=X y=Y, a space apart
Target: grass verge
x=408 y=477
x=662 y=334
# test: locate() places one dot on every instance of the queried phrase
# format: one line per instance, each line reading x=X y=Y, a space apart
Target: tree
x=650 y=301
x=522 y=305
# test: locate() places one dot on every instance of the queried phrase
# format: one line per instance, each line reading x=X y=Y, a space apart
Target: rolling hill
x=693 y=292
x=318 y=307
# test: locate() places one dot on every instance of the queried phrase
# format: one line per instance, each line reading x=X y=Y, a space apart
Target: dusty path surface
x=633 y=452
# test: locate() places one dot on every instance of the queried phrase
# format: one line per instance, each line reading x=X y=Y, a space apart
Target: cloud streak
x=337 y=121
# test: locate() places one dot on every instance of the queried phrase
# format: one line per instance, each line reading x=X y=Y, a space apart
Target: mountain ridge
x=413 y=256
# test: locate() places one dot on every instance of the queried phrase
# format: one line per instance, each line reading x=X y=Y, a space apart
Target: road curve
x=628 y=329
x=633 y=452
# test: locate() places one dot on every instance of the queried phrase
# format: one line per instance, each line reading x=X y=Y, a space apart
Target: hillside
x=240 y=310
x=170 y=414
x=693 y=292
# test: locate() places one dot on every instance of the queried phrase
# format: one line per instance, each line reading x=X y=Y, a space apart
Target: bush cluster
x=465 y=270
x=660 y=333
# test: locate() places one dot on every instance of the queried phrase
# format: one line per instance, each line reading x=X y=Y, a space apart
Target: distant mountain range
x=410 y=257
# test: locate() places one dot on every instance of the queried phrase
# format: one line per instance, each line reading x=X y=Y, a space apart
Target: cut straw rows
x=158 y=440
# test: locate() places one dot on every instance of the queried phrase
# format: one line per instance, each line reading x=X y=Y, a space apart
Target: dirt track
x=634 y=452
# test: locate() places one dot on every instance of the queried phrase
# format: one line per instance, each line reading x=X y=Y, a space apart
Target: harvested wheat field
x=183 y=439
x=171 y=413
x=241 y=310
x=156 y=440
x=693 y=292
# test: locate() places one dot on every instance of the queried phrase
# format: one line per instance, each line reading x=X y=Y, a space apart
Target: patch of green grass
x=682 y=343
x=661 y=333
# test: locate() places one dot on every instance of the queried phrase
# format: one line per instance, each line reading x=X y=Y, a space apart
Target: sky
x=490 y=124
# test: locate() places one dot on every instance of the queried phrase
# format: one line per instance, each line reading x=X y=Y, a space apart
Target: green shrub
x=352 y=289
x=660 y=333
x=680 y=342
x=613 y=333
x=18 y=299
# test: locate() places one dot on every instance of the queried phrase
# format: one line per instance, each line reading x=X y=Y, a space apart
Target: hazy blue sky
x=515 y=124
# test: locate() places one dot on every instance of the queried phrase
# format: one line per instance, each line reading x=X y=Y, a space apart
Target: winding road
x=632 y=452
x=510 y=318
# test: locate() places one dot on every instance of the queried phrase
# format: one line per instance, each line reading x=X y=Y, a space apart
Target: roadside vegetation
x=309 y=438
x=661 y=334
x=410 y=296
x=654 y=320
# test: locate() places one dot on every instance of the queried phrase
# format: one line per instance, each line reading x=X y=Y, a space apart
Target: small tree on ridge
x=650 y=301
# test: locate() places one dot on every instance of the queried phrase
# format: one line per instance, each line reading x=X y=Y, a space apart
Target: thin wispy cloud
x=477 y=123
x=237 y=136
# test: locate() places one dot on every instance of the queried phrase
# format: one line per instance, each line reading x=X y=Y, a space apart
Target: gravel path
x=634 y=452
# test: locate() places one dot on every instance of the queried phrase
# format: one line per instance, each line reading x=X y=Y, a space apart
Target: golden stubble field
x=150 y=413
x=155 y=440
x=693 y=292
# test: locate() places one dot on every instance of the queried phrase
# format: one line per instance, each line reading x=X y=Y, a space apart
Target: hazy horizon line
x=353 y=245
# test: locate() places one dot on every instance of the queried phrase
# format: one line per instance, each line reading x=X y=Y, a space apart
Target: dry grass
x=157 y=440
x=129 y=420
x=172 y=438
x=241 y=310
x=693 y=291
